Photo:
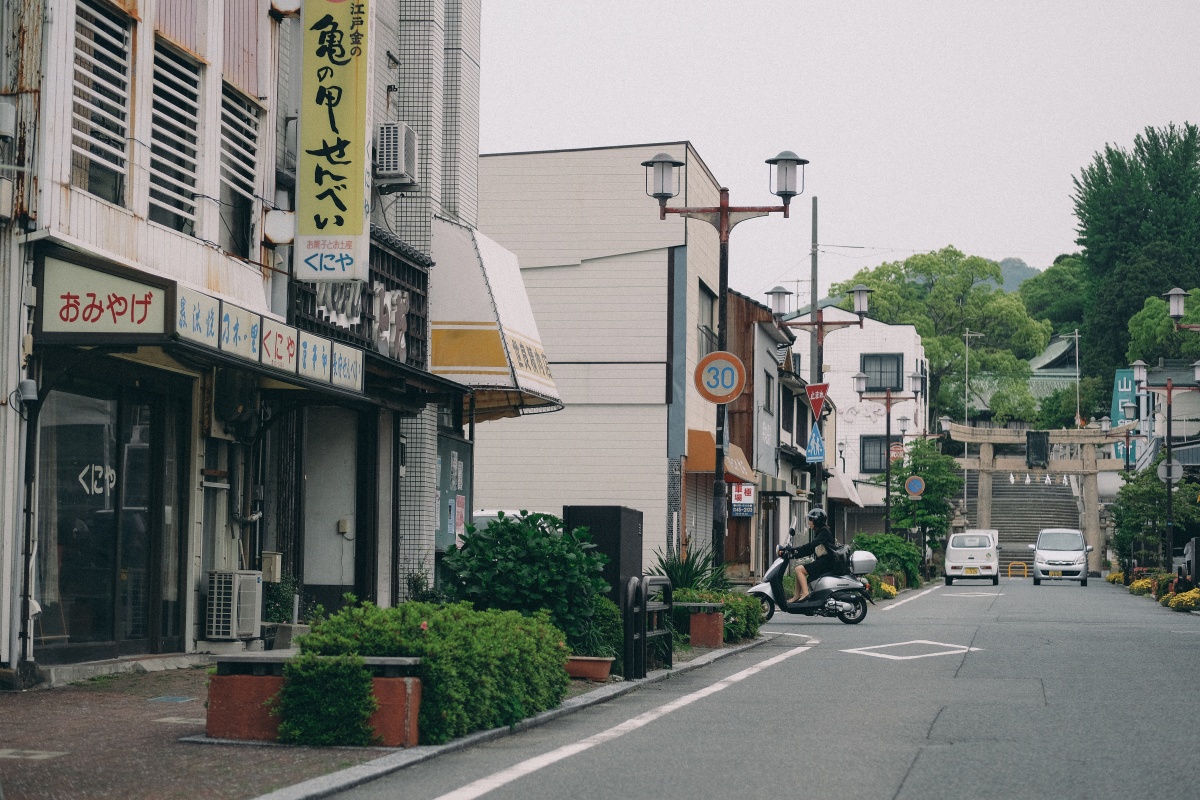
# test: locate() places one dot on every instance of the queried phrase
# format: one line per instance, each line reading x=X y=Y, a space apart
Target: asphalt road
x=969 y=691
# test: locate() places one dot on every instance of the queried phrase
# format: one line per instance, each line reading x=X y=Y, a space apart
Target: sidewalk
x=141 y=735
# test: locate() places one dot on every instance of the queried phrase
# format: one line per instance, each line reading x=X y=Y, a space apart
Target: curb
x=393 y=762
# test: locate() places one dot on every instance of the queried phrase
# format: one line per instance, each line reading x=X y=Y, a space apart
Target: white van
x=973 y=554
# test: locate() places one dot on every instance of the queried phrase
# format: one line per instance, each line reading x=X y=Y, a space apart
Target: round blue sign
x=914 y=485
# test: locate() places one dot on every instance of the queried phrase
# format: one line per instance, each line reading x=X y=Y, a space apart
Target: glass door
x=108 y=557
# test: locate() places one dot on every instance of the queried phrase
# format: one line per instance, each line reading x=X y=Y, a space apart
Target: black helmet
x=817 y=517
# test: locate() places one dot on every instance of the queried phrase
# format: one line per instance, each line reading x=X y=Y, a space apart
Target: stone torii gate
x=1087 y=465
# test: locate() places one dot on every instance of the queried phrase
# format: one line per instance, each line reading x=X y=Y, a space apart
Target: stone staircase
x=1020 y=511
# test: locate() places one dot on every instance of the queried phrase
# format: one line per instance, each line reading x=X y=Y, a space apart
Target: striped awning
x=769 y=484
x=483 y=332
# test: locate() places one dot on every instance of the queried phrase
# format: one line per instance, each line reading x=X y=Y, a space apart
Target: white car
x=973 y=554
x=1060 y=554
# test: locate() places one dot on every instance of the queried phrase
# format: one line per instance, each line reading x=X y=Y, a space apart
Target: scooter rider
x=821 y=546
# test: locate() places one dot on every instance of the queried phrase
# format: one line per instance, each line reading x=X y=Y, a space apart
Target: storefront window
x=76 y=553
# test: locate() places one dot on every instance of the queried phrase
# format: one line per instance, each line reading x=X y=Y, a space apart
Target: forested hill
x=1015 y=272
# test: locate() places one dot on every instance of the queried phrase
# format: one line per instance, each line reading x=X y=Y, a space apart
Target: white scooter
x=843 y=596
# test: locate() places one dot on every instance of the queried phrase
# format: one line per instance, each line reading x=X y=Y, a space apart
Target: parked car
x=1061 y=555
x=973 y=554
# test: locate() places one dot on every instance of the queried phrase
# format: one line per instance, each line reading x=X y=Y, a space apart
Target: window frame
x=897 y=386
x=706 y=321
x=869 y=440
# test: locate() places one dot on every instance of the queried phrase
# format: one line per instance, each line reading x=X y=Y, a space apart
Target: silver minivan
x=973 y=554
x=1060 y=555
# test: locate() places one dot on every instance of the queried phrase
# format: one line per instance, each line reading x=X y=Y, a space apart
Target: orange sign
x=720 y=377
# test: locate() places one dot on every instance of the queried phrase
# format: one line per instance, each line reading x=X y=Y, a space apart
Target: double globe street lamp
x=662 y=183
x=917 y=385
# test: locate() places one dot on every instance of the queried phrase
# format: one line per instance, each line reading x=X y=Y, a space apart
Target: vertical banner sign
x=333 y=170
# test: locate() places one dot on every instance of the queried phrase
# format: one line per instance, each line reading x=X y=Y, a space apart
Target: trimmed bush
x=479 y=669
x=1185 y=601
x=527 y=563
x=326 y=702
x=1141 y=586
x=893 y=553
x=743 y=613
x=881 y=589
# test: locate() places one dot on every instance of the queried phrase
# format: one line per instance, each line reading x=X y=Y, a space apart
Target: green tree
x=1152 y=333
x=1139 y=225
x=1057 y=410
x=929 y=516
x=1056 y=295
x=1139 y=517
x=942 y=294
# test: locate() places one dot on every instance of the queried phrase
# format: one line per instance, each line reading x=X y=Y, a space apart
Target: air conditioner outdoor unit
x=395 y=156
x=234 y=604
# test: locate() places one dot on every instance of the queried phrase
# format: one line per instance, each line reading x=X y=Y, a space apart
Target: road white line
x=909 y=599
x=484 y=785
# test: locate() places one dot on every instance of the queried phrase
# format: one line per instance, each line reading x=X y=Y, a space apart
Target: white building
x=626 y=306
x=888 y=355
x=201 y=403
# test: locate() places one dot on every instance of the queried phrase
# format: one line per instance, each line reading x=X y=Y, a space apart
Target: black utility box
x=617 y=533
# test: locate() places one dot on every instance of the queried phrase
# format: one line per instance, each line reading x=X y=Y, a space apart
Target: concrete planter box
x=237 y=699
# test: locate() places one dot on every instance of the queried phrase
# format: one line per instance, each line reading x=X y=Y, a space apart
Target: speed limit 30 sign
x=720 y=377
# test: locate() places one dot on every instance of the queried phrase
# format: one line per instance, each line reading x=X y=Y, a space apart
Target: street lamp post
x=1140 y=378
x=820 y=328
x=662 y=184
x=860 y=387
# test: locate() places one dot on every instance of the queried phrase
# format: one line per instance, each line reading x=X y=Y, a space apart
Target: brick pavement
x=123 y=736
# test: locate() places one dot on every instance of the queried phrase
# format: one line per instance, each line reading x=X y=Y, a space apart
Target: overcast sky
x=928 y=122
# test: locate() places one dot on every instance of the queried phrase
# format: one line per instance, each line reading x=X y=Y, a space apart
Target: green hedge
x=893 y=554
x=479 y=669
x=743 y=613
x=326 y=702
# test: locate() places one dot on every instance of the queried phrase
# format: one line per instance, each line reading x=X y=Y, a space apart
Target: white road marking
x=484 y=785
x=952 y=649
x=909 y=599
x=30 y=755
x=811 y=640
x=183 y=720
x=972 y=594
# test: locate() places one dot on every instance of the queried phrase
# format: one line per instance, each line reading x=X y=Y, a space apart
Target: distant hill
x=1015 y=272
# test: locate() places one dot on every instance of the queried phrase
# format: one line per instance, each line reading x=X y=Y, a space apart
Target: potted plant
x=595 y=649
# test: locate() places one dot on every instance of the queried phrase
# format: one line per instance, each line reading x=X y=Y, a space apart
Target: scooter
x=842 y=596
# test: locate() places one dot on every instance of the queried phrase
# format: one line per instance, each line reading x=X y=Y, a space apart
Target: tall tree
x=944 y=293
x=1057 y=294
x=1152 y=333
x=930 y=515
x=1139 y=225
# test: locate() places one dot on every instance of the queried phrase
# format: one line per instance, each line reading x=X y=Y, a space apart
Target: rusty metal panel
x=130 y=7
x=243 y=19
x=180 y=22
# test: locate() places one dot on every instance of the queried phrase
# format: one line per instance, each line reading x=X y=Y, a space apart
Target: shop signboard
x=84 y=304
x=334 y=169
x=742 y=495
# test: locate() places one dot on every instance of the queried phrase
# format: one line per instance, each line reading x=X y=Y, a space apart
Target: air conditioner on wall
x=395 y=157
x=234 y=604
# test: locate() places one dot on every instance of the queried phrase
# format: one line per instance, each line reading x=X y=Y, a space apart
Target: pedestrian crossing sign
x=816 y=446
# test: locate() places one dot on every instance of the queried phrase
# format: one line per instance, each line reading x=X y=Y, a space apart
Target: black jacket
x=822 y=547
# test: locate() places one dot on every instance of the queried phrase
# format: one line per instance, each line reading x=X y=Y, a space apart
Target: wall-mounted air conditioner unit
x=395 y=157
x=234 y=604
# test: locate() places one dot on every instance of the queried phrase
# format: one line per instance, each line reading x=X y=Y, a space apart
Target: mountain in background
x=1015 y=272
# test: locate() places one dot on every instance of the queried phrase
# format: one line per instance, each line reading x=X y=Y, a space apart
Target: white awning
x=842 y=488
x=483 y=330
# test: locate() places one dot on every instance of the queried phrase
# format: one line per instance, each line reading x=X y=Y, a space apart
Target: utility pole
x=816 y=371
